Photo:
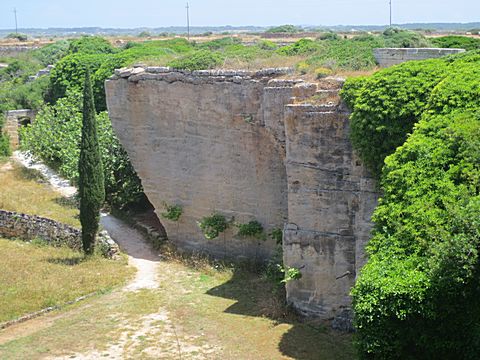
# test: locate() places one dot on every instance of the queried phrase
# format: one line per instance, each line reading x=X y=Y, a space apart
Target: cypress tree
x=91 y=185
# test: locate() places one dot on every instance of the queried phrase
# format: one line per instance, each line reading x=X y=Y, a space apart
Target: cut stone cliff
x=252 y=147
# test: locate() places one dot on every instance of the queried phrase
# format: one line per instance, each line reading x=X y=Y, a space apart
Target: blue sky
x=158 y=13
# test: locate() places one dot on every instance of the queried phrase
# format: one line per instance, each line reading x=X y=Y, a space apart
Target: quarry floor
x=175 y=310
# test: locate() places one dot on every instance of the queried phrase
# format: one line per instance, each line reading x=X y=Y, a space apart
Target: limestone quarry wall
x=251 y=146
x=201 y=142
x=330 y=200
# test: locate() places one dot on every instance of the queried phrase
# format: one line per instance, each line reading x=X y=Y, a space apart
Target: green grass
x=33 y=277
x=199 y=311
x=21 y=190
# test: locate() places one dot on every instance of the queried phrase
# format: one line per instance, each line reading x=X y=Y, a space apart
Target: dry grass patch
x=33 y=277
x=22 y=190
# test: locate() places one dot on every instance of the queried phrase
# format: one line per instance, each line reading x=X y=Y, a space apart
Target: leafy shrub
x=91 y=45
x=251 y=229
x=457 y=42
x=417 y=296
x=288 y=29
x=344 y=54
x=302 y=67
x=199 y=60
x=4 y=144
x=321 y=73
x=277 y=235
x=52 y=53
x=220 y=43
x=17 y=36
x=267 y=45
x=54 y=137
x=300 y=47
x=386 y=106
x=69 y=73
x=213 y=225
x=328 y=36
x=395 y=37
x=173 y=212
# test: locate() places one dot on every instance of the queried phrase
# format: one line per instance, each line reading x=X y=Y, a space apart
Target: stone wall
x=13 y=120
x=28 y=227
x=392 y=56
x=14 y=50
x=330 y=200
x=252 y=146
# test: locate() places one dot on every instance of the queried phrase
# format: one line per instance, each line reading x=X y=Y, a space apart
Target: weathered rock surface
x=250 y=146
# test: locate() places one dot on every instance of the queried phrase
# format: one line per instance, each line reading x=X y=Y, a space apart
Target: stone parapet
x=386 y=57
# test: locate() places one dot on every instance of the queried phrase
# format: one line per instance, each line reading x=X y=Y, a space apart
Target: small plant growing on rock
x=302 y=67
x=277 y=235
x=322 y=72
x=291 y=273
x=173 y=212
x=213 y=225
x=251 y=229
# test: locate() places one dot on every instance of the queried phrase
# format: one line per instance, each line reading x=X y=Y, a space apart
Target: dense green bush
x=198 y=60
x=69 y=73
x=51 y=54
x=219 y=43
x=17 y=36
x=300 y=47
x=55 y=136
x=329 y=35
x=387 y=104
x=418 y=296
x=345 y=54
x=395 y=37
x=90 y=45
x=289 y=29
x=457 y=42
x=4 y=144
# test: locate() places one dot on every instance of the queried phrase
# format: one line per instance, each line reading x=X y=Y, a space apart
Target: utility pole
x=188 y=22
x=390 y=13
x=16 y=26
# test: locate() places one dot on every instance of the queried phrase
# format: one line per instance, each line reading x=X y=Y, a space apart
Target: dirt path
x=131 y=241
x=140 y=254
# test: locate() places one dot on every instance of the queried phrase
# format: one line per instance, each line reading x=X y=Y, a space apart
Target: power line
x=188 y=22
x=390 y=13
x=16 y=26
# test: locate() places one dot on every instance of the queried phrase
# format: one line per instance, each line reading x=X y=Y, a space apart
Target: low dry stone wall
x=386 y=57
x=30 y=227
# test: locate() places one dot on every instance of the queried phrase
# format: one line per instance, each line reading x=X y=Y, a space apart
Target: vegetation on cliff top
x=417 y=297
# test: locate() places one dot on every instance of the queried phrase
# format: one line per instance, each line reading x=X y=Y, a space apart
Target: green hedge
x=418 y=296
x=55 y=137
x=387 y=104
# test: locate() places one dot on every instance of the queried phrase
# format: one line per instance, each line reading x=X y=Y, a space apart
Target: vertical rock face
x=249 y=146
x=330 y=200
x=201 y=142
